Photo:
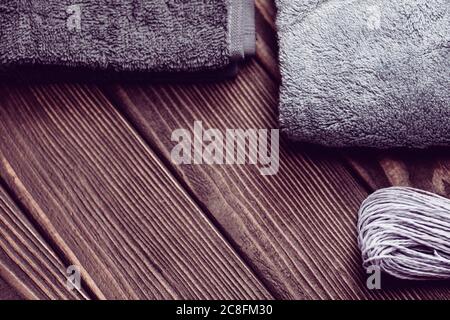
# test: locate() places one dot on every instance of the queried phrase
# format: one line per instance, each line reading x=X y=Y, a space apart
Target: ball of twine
x=406 y=233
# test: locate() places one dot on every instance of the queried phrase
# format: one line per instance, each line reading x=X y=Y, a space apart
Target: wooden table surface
x=86 y=179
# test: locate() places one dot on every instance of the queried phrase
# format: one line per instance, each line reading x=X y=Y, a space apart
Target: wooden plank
x=108 y=203
x=28 y=264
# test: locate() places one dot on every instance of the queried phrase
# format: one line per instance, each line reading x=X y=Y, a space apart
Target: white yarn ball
x=406 y=233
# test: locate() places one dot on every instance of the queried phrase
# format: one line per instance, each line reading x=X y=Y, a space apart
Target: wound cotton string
x=406 y=233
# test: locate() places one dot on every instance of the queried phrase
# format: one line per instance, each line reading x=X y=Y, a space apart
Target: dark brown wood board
x=87 y=179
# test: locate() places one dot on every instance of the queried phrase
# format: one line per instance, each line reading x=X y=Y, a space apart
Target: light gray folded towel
x=365 y=73
x=126 y=35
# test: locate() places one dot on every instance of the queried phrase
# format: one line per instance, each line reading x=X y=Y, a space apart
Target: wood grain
x=266 y=40
x=108 y=203
x=7 y=292
x=27 y=262
x=424 y=169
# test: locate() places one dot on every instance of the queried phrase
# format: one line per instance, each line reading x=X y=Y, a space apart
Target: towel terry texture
x=127 y=35
x=365 y=73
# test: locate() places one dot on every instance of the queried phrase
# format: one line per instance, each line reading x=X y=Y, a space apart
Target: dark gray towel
x=365 y=73
x=126 y=35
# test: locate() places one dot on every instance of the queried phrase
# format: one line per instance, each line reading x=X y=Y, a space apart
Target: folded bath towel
x=365 y=73
x=126 y=35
